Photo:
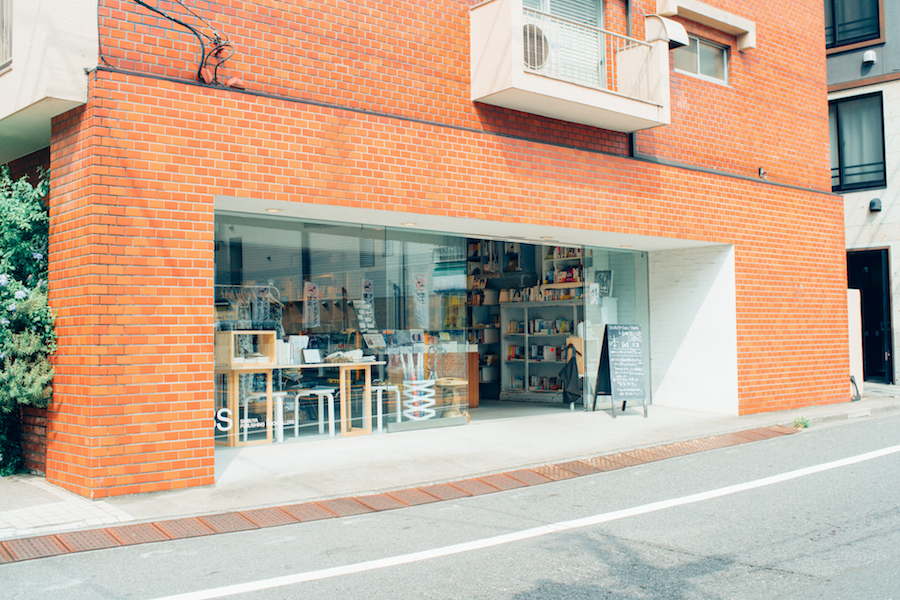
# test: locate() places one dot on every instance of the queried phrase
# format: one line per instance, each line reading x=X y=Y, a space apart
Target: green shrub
x=27 y=338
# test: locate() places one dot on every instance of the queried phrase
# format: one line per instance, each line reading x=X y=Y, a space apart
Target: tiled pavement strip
x=97 y=513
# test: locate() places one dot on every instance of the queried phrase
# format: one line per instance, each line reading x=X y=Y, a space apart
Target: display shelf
x=561 y=267
x=483 y=266
x=229 y=354
x=562 y=286
x=534 y=378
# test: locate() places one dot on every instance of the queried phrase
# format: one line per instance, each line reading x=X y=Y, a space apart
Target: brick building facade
x=361 y=113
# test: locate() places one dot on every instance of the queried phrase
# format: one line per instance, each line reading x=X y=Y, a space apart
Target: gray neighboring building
x=863 y=46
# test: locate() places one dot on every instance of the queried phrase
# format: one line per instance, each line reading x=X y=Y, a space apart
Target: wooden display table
x=233 y=400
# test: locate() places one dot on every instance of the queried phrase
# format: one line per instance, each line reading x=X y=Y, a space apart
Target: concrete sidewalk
x=320 y=469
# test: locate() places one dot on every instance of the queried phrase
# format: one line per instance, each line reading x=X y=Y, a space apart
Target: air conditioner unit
x=539 y=45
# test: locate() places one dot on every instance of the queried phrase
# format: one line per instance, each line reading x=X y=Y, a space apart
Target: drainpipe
x=632 y=139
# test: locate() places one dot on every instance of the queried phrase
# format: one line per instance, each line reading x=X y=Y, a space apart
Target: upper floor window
x=850 y=21
x=5 y=33
x=587 y=12
x=857 y=143
x=703 y=58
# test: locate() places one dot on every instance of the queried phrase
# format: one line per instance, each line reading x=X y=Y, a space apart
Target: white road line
x=381 y=563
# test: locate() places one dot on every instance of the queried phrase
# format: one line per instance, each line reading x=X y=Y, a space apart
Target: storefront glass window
x=304 y=309
x=307 y=312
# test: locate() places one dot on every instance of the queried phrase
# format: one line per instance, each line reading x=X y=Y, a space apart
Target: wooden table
x=344 y=370
x=232 y=382
x=234 y=372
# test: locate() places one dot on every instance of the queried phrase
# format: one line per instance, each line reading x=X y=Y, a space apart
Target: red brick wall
x=131 y=260
x=34 y=420
x=28 y=166
x=411 y=59
x=774 y=111
x=34 y=438
x=136 y=170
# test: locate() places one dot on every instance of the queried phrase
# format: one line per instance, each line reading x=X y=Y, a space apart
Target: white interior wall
x=693 y=342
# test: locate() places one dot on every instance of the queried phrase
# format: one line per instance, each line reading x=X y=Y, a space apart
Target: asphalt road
x=767 y=520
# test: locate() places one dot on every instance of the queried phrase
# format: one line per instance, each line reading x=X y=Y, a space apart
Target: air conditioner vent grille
x=536 y=46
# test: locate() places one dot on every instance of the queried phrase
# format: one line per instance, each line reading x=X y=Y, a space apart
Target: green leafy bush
x=27 y=338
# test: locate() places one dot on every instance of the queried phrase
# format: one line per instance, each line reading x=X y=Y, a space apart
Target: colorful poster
x=311 y=305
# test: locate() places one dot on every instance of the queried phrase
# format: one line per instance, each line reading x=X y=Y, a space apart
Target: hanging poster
x=311 y=305
x=604 y=280
x=365 y=315
x=419 y=290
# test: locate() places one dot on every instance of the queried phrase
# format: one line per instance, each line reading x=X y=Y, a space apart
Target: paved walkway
x=284 y=483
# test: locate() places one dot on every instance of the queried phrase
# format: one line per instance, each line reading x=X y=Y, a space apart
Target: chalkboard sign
x=621 y=373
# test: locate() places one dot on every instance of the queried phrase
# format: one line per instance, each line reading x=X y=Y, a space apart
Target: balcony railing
x=569 y=51
x=5 y=33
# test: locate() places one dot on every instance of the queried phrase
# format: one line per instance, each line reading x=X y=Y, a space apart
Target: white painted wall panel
x=54 y=41
x=693 y=329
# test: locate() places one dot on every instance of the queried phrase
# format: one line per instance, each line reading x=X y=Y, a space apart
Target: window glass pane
x=532 y=4
x=712 y=61
x=861 y=143
x=686 y=57
x=835 y=156
x=829 y=24
x=617 y=292
x=853 y=21
x=282 y=284
x=580 y=11
x=5 y=32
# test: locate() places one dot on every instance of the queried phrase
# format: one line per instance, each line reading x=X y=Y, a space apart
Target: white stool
x=322 y=393
x=278 y=398
x=379 y=411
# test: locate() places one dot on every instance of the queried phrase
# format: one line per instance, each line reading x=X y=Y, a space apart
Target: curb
x=27 y=548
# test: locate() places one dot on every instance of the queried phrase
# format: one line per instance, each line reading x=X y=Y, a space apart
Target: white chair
x=379 y=410
x=278 y=399
x=321 y=393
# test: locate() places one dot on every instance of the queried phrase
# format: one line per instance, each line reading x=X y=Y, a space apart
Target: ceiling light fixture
x=273 y=210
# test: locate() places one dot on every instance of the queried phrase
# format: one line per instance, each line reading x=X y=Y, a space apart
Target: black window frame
x=837 y=41
x=841 y=168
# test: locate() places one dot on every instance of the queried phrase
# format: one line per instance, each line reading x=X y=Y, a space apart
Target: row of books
x=550 y=326
x=536 y=352
x=565 y=275
x=557 y=252
x=532 y=294
x=544 y=384
x=483 y=297
x=535 y=383
x=535 y=294
x=484 y=336
x=546 y=353
x=555 y=295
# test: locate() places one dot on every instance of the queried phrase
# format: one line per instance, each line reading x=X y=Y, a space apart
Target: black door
x=868 y=271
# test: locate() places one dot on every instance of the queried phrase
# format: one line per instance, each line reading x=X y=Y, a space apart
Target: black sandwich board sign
x=621 y=373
